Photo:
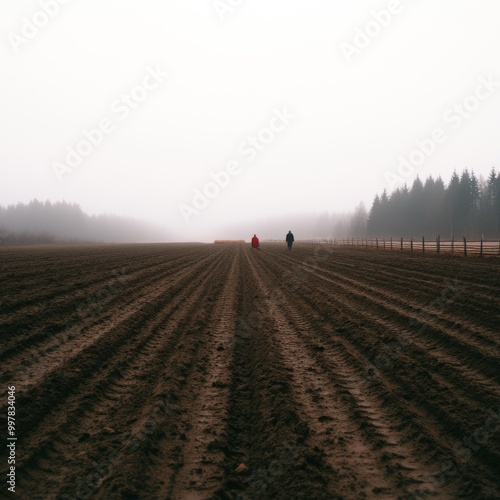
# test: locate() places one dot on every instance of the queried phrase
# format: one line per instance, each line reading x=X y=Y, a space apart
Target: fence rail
x=479 y=248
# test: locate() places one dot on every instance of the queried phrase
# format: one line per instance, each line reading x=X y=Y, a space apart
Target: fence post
x=376 y=242
x=452 y=244
x=481 y=251
x=411 y=243
x=465 y=247
x=391 y=243
x=423 y=244
x=438 y=243
x=401 y=243
x=384 y=243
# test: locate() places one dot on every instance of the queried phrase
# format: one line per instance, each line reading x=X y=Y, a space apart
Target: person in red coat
x=255 y=242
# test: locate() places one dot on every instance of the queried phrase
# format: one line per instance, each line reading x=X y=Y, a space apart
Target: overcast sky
x=128 y=106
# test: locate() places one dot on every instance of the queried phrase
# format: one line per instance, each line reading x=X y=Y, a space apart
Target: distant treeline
x=304 y=226
x=467 y=206
x=45 y=222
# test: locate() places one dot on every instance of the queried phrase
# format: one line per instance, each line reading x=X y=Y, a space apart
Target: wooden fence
x=479 y=248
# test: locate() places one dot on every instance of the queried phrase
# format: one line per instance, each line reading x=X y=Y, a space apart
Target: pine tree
x=359 y=222
x=453 y=202
x=468 y=206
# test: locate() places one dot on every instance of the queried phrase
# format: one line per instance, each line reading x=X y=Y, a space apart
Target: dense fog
x=46 y=222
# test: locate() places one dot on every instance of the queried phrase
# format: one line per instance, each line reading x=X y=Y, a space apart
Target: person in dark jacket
x=289 y=240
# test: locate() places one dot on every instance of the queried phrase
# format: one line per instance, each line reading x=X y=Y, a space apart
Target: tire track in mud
x=357 y=297
x=395 y=272
x=43 y=354
x=178 y=450
x=476 y=338
x=86 y=269
x=131 y=347
x=265 y=447
x=478 y=297
x=377 y=291
x=74 y=304
x=146 y=373
x=23 y=298
x=435 y=338
x=443 y=413
x=349 y=422
x=202 y=471
x=211 y=379
x=422 y=268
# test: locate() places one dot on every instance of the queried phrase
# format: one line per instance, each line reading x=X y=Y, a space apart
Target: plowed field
x=218 y=371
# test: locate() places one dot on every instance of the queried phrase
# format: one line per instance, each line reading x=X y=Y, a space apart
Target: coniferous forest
x=466 y=206
x=45 y=222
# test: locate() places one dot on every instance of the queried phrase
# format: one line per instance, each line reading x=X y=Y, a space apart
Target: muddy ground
x=218 y=371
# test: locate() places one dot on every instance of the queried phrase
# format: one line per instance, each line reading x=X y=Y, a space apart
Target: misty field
x=191 y=371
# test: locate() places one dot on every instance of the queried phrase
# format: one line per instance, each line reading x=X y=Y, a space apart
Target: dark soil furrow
x=218 y=371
